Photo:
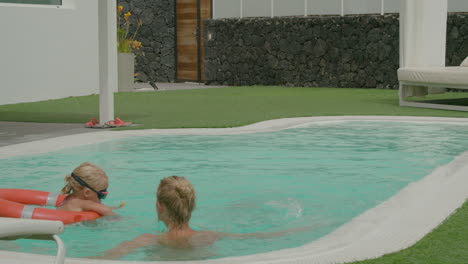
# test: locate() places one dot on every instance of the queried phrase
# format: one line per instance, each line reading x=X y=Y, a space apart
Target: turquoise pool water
x=319 y=176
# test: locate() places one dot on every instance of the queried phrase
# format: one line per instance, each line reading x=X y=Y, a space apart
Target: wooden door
x=189 y=17
x=205 y=13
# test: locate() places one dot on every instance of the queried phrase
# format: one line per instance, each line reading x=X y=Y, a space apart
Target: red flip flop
x=92 y=123
x=117 y=122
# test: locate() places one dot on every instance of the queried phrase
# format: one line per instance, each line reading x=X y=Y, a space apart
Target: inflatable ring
x=16 y=203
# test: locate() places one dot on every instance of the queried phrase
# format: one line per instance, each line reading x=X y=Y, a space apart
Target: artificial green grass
x=223 y=107
x=236 y=106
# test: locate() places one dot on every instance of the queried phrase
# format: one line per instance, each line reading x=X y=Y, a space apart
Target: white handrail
x=13 y=228
x=60 y=250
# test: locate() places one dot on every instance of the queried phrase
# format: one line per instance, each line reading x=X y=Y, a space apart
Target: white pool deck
x=391 y=226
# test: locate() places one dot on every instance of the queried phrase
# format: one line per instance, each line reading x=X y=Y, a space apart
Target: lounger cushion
x=436 y=75
x=465 y=62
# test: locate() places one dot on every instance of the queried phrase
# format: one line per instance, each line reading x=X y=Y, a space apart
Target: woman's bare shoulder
x=146 y=239
x=208 y=235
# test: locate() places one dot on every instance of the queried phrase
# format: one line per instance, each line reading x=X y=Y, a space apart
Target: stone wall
x=157 y=35
x=321 y=51
x=327 y=51
x=457 y=38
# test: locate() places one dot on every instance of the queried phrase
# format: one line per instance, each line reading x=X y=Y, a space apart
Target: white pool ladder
x=13 y=228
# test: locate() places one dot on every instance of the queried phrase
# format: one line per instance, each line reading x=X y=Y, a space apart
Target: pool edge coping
x=375 y=229
x=67 y=141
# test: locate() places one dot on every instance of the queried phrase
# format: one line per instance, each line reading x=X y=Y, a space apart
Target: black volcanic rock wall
x=157 y=36
x=318 y=51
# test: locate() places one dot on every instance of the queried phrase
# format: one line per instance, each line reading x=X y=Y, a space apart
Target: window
x=36 y=2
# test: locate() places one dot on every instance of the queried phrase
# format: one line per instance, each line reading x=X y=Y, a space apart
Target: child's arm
x=99 y=208
x=118 y=207
x=127 y=247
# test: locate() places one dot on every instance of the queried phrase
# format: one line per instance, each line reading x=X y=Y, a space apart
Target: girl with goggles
x=82 y=187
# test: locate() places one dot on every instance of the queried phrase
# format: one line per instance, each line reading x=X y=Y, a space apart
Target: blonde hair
x=178 y=196
x=94 y=176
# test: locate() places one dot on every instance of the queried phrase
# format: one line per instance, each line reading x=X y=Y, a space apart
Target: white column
x=423 y=29
x=272 y=6
x=107 y=29
x=305 y=7
x=382 y=7
x=213 y=8
x=241 y=3
x=342 y=8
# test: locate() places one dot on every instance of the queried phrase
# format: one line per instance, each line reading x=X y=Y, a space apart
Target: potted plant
x=127 y=47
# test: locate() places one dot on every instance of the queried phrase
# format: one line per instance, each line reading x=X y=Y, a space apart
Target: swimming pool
x=322 y=176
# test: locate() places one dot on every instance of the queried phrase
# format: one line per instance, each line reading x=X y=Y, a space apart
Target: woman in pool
x=175 y=203
x=86 y=186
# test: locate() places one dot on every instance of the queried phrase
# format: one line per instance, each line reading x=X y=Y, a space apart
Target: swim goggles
x=102 y=194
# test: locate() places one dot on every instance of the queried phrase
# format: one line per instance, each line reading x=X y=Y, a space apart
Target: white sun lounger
x=13 y=228
x=423 y=31
x=426 y=78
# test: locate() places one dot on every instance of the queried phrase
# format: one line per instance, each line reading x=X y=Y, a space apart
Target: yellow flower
x=127 y=15
x=120 y=8
x=136 y=44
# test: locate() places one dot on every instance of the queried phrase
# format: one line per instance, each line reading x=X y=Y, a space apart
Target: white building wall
x=362 y=6
x=393 y=6
x=259 y=8
x=289 y=8
x=231 y=8
x=48 y=52
x=457 y=5
x=324 y=7
x=256 y=8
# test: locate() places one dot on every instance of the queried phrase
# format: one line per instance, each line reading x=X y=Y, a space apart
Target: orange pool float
x=17 y=203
